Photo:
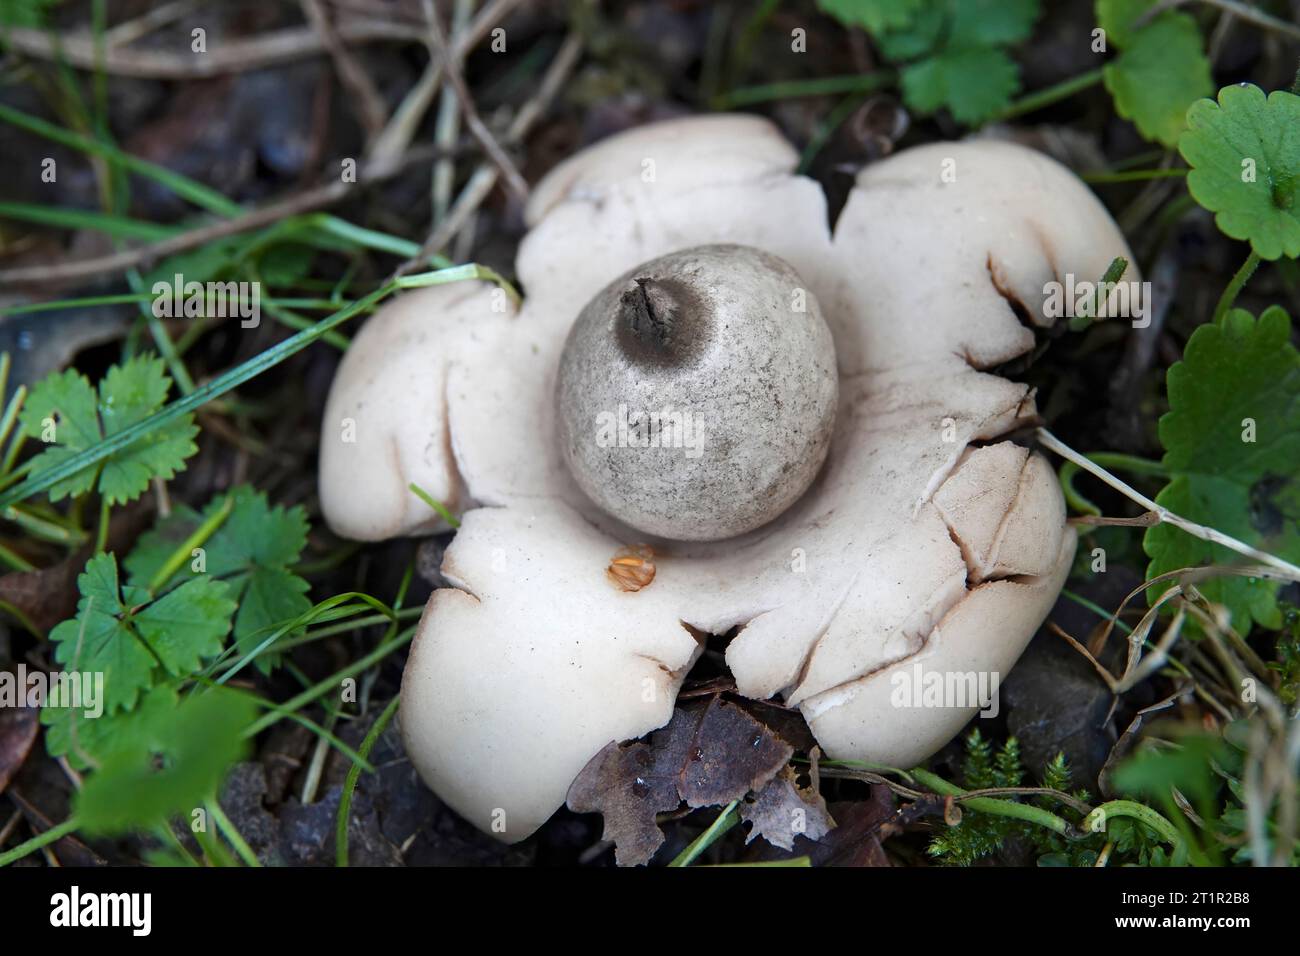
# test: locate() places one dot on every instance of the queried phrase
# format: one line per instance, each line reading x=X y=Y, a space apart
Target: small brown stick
x=379 y=8
x=1105 y=674
x=397 y=135
x=1146 y=520
x=305 y=201
x=1230 y=7
x=514 y=180
x=269 y=49
x=366 y=101
x=132 y=30
x=485 y=177
x=1203 y=532
x=447 y=124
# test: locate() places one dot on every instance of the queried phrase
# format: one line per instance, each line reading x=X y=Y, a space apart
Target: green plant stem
x=799 y=861
x=345 y=627
x=1092 y=308
x=1095 y=608
x=727 y=819
x=52 y=835
x=54 y=216
x=791 y=89
x=231 y=833
x=101 y=534
x=330 y=609
x=11 y=410
x=1107 y=459
x=15 y=561
x=354 y=774
x=165 y=834
x=43 y=528
x=297 y=322
x=200 y=396
x=1052 y=94
x=1001 y=808
x=827 y=127
x=1137 y=175
x=162 y=339
x=323 y=687
x=1236 y=284
x=183 y=186
x=1095 y=822
x=201 y=534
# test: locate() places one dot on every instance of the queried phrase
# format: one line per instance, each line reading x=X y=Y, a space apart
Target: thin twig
x=1105 y=675
x=255 y=53
x=270 y=214
x=1246 y=12
x=366 y=101
x=485 y=177
x=447 y=124
x=131 y=30
x=1191 y=527
x=399 y=132
x=514 y=179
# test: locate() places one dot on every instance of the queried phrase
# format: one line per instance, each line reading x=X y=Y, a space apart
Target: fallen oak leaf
x=709 y=755
x=861 y=827
x=720 y=752
x=783 y=810
x=18 y=726
x=620 y=785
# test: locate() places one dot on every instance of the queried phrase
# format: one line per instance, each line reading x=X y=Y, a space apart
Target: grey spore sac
x=696 y=393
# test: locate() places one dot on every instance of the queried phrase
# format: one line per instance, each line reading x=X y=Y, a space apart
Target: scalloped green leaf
x=1232 y=441
x=974 y=84
x=65 y=411
x=954 y=56
x=167 y=759
x=1244 y=151
x=872 y=15
x=1160 y=71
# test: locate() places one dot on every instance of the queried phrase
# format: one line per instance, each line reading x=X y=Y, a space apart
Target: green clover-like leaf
x=251 y=551
x=165 y=759
x=1158 y=75
x=1232 y=441
x=954 y=55
x=121 y=634
x=1244 y=152
x=872 y=15
x=67 y=413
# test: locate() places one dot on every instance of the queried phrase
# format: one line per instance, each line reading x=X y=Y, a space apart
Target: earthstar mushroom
x=925 y=539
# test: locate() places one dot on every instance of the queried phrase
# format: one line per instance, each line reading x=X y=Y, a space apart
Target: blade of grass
x=331 y=682
x=238 y=376
x=791 y=89
x=354 y=774
x=727 y=819
x=183 y=186
x=119 y=226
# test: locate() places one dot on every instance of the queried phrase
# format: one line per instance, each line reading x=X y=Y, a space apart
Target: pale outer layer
x=912 y=547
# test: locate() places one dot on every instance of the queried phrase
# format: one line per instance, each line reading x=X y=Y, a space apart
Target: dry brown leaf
x=783 y=810
x=710 y=754
x=18 y=726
